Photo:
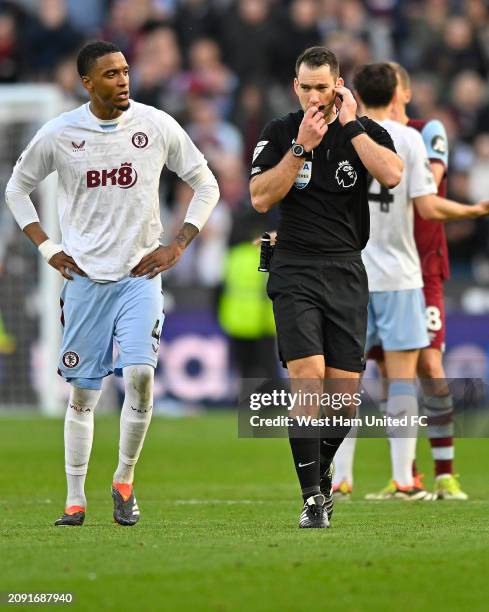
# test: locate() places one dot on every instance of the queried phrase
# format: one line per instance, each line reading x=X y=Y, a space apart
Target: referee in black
x=316 y=163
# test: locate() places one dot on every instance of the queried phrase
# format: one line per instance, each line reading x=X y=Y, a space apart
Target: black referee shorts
x=320 y=307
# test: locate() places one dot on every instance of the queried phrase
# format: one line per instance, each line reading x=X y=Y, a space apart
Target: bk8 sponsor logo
x=124 y=177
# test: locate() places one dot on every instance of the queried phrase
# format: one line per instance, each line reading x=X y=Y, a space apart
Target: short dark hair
x=375 y=84
x=315 y=57
x=91 y=52
x=401 y=74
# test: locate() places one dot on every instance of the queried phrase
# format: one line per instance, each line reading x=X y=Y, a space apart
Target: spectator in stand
x=478 y=182
x=482 y=124
x=459 y=50
x=425 y=95
x=202 y=262
x=10 y=52
x=210 y=133
x=478 y=173
x=246 y=32
x=208 y=74
x=157 y=77
x=125 y=22
x=251 y=112
x=425 y=23
x=195 y=19
x=67 y=78
x=87 y=16
x=50 y=39
x=233 y=185
x=477 y=12
x=461 y=235
x=349 y=41
x=328 y=17
x=351 y=50
x=353 y=17
x=387 y=27
x=300 y=29
x=468 y=94
x=231 y=178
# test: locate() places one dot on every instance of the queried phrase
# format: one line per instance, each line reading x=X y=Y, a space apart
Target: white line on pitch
x=196 y=502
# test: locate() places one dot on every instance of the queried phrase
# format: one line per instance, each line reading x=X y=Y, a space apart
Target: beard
x=124 y=107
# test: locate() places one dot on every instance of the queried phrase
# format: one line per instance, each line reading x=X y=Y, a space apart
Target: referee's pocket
x=272 y=277
x=269 y=286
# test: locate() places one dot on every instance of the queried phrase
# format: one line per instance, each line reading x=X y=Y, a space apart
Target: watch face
x=298 y=150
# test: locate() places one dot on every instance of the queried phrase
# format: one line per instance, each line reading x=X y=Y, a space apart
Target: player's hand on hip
x=312 y=129
x=347 y=105
x=163 y=258
x=65 y=264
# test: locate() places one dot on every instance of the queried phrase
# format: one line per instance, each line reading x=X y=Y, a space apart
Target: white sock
x=135 y=418
x=78 y=442
x=343 y=460
x=402 y=401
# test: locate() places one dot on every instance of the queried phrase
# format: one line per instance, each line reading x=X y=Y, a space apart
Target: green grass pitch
x=219 y=527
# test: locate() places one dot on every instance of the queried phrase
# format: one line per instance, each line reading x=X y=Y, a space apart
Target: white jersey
x=108 y=181
x=391 y=257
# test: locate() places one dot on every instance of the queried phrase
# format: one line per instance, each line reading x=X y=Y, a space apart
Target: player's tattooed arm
x=165 y=257
x=186 y=235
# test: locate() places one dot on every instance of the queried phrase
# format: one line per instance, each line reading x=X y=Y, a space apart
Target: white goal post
x=23 y=109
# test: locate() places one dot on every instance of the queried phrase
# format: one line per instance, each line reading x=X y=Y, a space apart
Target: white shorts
x=94 y=315
x=397 y=320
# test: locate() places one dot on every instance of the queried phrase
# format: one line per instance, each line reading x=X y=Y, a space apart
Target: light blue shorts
x=397 y=320
x=129 y=311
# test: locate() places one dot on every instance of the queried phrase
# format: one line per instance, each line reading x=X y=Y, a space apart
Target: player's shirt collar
x=108 y=125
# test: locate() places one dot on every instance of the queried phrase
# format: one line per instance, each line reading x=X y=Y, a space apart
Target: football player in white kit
x=109 y=154
x=396 y=317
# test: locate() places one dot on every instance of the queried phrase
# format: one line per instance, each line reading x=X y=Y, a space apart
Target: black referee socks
x=305 y=451
x=329 y=445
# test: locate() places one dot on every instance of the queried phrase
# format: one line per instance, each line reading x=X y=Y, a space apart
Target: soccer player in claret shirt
x=109 y=154
x=397 y=308
x=433 y=253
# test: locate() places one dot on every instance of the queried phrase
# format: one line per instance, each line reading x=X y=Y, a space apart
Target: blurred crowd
x=223 y=68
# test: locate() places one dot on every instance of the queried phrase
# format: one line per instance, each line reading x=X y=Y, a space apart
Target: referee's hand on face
x=312 y=129
x=346 y=105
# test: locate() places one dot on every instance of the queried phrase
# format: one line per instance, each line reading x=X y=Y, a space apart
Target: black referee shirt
x=326 y=211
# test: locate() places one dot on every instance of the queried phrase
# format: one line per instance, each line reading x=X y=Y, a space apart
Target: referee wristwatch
x=298 y=150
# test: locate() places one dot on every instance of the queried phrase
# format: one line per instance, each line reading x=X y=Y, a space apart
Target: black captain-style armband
x=352 y=129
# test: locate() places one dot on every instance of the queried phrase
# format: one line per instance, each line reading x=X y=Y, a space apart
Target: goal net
x=29 y=290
